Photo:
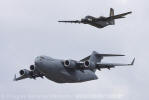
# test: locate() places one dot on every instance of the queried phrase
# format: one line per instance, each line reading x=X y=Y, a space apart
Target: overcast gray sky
x=29 y=28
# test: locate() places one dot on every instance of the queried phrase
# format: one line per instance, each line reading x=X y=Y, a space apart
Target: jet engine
x=70 y=64
x=24 y=72
x=32 y=67
x=35 y=71
x=89 y=65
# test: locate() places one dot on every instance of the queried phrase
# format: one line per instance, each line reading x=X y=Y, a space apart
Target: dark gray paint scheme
x=99 y=22
x=68 y=71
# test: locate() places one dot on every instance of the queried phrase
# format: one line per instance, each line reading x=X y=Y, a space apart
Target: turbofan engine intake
x=32 y=67
x=70 y=64
x=24 y=72
x=88 y=64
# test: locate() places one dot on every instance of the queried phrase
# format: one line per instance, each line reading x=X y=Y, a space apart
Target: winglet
x=132 y=62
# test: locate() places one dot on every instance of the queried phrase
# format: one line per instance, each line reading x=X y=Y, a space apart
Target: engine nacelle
x=32 y=67
x=88 y=64
x=24 y=72
x=70 y=64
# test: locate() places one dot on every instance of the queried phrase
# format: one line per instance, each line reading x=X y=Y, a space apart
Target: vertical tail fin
x=112 y=22
x=111 y=12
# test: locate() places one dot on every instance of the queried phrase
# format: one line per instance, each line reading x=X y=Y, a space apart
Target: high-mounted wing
x=76 y=21
x=101 y=55
x=24 y=73
x=19 y=78
x=112 y=65
x=33 y=73
x=118 y=16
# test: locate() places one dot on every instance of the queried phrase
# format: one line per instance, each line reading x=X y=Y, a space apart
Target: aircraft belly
x=85 y=76
x=53 y=72
x=99 y=24
x=102 y=23
x=65 y=76
x=78 y=76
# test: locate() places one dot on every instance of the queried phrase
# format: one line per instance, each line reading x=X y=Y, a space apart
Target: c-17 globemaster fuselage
x=67 y=71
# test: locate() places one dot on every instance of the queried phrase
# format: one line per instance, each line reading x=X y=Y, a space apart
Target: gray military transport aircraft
x=68 y=71
x=101 y=21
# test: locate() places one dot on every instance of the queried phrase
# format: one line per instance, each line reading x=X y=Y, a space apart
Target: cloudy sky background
x=29 y=28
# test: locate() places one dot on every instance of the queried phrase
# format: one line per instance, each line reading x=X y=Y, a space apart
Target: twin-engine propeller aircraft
x=101 y=21
x=68 y=71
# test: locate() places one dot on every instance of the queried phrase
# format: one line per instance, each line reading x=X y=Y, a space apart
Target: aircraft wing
x=112 y=65
x=19 y=78
x=118 y=16
x=75 y=21
x=101 y=55
x=27 y=74
x=24 y=73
